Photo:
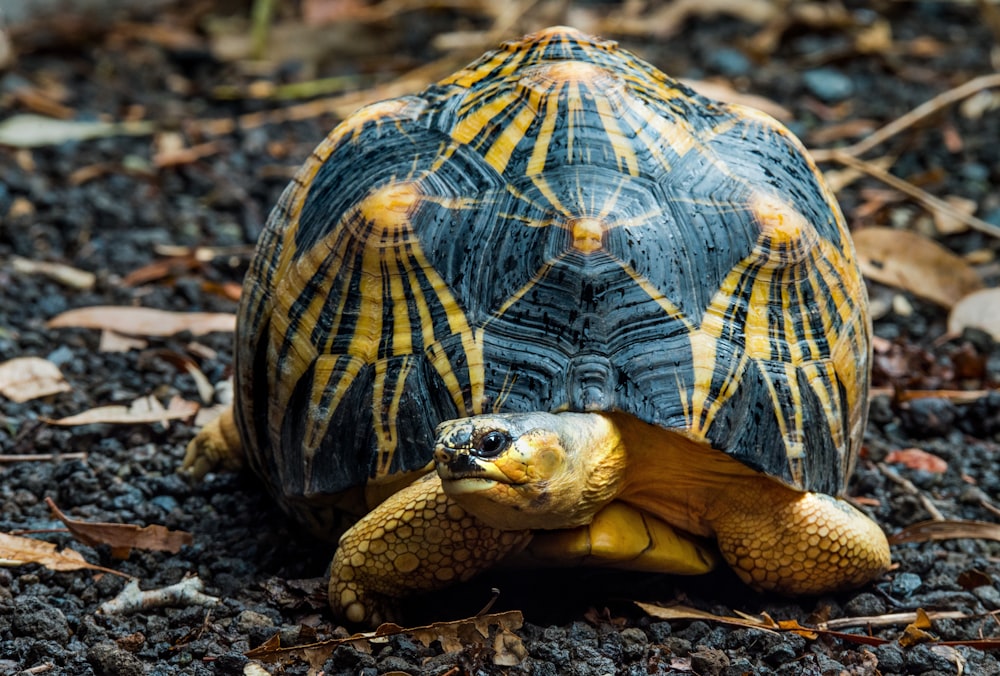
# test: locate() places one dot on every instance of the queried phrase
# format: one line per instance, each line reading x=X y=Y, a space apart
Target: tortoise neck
x=681 y=480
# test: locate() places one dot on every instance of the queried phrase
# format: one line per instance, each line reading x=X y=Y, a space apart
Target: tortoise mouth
x=468 y=484
x=464 y=472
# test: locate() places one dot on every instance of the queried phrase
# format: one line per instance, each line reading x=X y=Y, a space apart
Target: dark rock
x=709 y=661
x=35 y=618
x=110 y=660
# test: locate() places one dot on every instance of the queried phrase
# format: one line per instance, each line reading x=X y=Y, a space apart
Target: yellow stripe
x=502 y=149
x=621 y=144
x=541 y=148
x=469 y=126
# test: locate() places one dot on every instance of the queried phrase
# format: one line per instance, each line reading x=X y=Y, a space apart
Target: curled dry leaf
x=142 y=411
x=978 y=310
x=916 y=458
x=34 y=131
x=914 y=263
x=141 y=321
x=26 y=378
x=453 y=636
x=16 y=550
x=926 y=531
x=123 y=537
x=64 y=274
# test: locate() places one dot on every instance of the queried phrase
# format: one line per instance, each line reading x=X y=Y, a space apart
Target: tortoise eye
x=492 y=444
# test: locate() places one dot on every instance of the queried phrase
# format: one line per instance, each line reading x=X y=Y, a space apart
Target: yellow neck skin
x=681 y=480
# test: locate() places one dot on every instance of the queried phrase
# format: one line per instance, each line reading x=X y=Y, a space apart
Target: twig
x=908 y=486
x=990 y=507
x=890 y=619
x=922 y=111
x=41 y=457
x=131 y=599
x=928 y=200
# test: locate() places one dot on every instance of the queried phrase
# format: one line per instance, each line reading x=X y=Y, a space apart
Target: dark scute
x=822 y=461
x=746 y=427
x=397 y=152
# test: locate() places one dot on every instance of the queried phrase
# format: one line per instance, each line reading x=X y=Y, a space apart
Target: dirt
x=105 y=206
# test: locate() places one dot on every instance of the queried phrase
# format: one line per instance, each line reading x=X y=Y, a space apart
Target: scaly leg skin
x=216 y=446
x=419 y=539
x=778 y=539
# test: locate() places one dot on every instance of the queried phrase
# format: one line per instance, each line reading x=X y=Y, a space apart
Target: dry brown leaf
x=912 y=262
x=916 y=458
x=26 y=378
x=142 y=411
x=926 y=531
x=916 y=632
x=764 y=623
x=64 y=274
x=112 y=341
x=123 y=537
x=978 y=310
x=452 y=635
x=16 y=550
x=949 y=222
x=142 y=321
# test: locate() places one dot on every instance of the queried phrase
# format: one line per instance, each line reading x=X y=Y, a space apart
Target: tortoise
x=623 y=321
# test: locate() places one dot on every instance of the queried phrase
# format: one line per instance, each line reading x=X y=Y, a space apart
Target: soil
x=106 y=206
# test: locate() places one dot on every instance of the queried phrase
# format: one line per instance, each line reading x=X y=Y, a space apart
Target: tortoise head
x=520 y=471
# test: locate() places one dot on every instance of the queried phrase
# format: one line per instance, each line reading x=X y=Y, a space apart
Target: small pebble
x=708 y=661
x=828 y=85
x=905 y=584
x=989 y=595
x=729 y=62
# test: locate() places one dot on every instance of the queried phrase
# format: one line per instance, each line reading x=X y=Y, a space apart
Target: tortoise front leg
x=778 y=539
x=417 y=540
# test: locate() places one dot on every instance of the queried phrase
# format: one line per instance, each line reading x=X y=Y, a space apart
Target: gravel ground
x=105 y=206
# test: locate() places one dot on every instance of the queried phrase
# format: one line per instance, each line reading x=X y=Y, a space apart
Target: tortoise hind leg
x=778 y=539
x=417 y=540
x=216 y=446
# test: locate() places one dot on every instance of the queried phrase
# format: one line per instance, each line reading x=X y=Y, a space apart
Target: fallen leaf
x=919 y=459
x=978 y=310
x=123 y=537
x=972 y=578
x=142 y=321
x=926 y=531
x=26 y=378
x=916 y=632
x=64 y=274
x=112 y=341
x=142 y=411
x=912 y=262
x=34 y=131
x=948 y=222
x=16 y=550
x=452 y=636
x=764 y=623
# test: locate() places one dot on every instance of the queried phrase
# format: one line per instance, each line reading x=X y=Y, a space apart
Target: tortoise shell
x=558 y=226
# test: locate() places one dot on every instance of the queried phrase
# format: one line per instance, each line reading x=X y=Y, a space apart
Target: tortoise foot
x=780 y=540
x=418 y=540
x=216 y=446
